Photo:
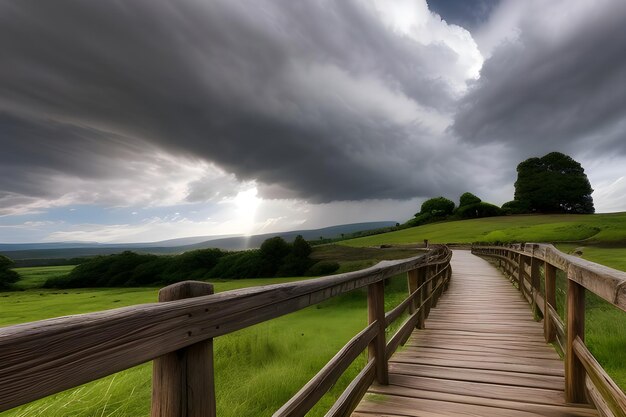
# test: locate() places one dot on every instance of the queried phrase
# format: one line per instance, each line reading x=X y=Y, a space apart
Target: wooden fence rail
x=585 y=380
x=45 y=357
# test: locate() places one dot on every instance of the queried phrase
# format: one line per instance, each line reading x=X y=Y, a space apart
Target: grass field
x=605 y=229
x=257 y=369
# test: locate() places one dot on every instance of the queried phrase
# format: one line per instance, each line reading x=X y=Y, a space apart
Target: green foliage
x=468 y=199
x=554 y=183
x=128 y=269
x=516 y=207
x=478 y=210
x=438 y=207
x=7 y=275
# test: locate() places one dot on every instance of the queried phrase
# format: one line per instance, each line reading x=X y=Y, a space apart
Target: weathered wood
x=597 y=400
x=349 y=399
x=520 y=274
x=421 y=278
x=183 y=381
x=535 y=283
x=610 y=392
x=549 y=301
x=608 y=283
x=376 y=314
x=574 y=369
x=411 y=278
x=477 y=357
x=310 y=394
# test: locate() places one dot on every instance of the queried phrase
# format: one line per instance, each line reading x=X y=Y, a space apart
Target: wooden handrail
x=83 y=348
x=609 y=284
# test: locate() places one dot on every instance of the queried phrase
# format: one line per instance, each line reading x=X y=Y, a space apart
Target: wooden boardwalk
x=481 y=354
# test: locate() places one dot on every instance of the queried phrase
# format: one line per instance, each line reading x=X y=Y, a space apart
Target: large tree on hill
x=554 y=183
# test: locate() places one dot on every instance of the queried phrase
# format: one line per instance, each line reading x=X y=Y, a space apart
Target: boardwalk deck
x=481 y=354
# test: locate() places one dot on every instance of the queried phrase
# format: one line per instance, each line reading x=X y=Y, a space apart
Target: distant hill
x=67 y=250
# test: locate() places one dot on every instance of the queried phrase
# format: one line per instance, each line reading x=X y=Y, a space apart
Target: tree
x=7 y=275
x=438 y=206
x=468 y=199
x=554 y=183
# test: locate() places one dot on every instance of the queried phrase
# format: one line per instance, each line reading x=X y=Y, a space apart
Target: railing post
x=412 y=282
x=429 y=291
x=534 y=284
x=435 y=283
x=421 y=278
x=574 y=369
x=376 y=312
x=520 y=273
x=549 y=300
x=182 y=381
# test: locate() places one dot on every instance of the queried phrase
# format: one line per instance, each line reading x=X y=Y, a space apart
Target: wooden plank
x=479 y=375
x=540 y=409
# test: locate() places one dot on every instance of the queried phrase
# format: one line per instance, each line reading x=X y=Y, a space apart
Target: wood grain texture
x=574 y=369
x=183 y=381
x=376 y=317
x=480 y=354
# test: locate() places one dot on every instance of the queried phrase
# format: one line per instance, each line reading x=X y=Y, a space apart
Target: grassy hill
x=593 y=229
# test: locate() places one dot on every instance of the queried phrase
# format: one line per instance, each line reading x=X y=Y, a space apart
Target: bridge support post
x=182 y=381
x=574 y=369
x=534 y=285
x=435 y=284
x=421 y=278
x=550 y=300
x=520 y=274
x=412 y=282
x=377 y=347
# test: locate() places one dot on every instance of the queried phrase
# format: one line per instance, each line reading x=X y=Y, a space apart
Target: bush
x=516 y=207
x=438 y=206
x=322 y=268
x=8 y=277
x=468 y=199
x=478 y=210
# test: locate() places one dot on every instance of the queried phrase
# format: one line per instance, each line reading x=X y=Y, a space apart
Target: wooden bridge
x=472 y=350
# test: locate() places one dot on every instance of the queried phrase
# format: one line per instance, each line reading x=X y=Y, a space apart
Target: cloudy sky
x=145 y=120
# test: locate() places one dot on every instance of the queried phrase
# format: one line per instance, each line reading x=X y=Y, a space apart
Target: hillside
x=68 y=250
x=594 y=229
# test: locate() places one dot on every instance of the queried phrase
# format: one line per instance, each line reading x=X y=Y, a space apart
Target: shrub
x=478 y=210
x=516 y=207
x=468 y=199
x=438 y=206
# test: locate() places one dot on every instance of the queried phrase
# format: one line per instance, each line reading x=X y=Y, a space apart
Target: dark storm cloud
x=468 y=14
x=268 y=90
x=561 y=85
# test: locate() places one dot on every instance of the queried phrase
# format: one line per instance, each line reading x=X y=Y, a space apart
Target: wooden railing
x=584 y=377
x=45 y=357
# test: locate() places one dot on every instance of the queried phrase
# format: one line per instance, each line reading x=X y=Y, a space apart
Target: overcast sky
x=145 y=120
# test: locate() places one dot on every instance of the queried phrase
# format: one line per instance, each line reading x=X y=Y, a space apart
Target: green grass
x=35 y=277
x=607 y=229
x=257 y=369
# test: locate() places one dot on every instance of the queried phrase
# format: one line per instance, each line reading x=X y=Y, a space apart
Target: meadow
x=259 y=368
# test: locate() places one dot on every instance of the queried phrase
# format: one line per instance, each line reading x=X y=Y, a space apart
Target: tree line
x=275 y=258
x=554 y=183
